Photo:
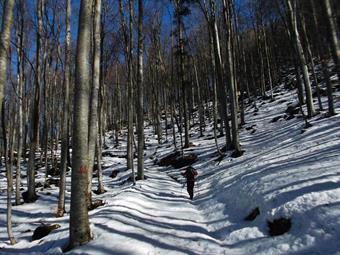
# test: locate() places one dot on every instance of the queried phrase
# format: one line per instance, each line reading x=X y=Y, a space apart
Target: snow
x=284 y=171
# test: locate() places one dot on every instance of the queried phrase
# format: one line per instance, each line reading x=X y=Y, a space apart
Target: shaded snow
x=284 y=172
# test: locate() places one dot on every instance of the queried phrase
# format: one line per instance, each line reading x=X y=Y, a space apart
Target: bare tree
x=332 y=33
x=31 y=194
x=128 y=41
x=231 y=81
x=93 y=121
x=7 y=20
x=180 y=11
x=65 y=129
x=79 y=220
x=130 y=154
x=292 y=11
x=20 y=81
x=5 y=36
x=140 y=108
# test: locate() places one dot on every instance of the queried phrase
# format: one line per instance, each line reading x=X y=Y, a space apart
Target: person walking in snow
x=190 y=174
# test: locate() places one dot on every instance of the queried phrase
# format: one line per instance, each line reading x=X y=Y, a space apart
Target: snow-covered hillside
x=287 y=171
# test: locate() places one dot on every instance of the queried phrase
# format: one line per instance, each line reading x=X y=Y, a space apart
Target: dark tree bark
x=140 y=108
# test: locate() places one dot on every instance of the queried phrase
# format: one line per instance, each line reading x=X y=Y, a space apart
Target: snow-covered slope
x=286 y=171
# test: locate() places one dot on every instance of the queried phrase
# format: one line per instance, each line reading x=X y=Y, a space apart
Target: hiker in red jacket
x=190 y=174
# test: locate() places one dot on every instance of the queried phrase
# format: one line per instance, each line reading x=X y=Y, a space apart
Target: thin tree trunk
x=199 y=98
x=332 y=34
x=65 y=130
x=221 y=91
x=31 y=194
x=259 y=49
x=130 y=154
x=173 y=93
x=296 y=37
x=331 y=109
x=178 y=5
x=93 y=121
x=46 y=72
x=101 y=127
x=100 y=189
x=20 y=80
x=266 y=51
x=140 y=108
x=299 y=82
x=310 y=56
x=215 y=97
x=9 y=175
x=230 y=68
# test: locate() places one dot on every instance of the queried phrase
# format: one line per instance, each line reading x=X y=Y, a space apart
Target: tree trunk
x=266 y=51
x=214 y=86
x=101 y=124
x=296 y=37
x=100 y=189
x=31 y=195
x=5 y=36
x=221 y=91
x=65 y=130
x=93 y=121
x=230 y=69
x=79 y=220
x=331 y=109
x=9 y=175
x=199 y=99
x=332 y=34
x=20 y=80
x=130 y=154
x=140 y=108
x=178 y=5
x=310 y=56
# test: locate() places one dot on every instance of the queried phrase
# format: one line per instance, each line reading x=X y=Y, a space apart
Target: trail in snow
x=157 y=217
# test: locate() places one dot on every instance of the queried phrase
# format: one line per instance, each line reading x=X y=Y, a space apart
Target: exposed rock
x=170 y=159
x=185 y=161
x=114 y=174
x=253 y=214
x=293 y=109
x=279 y=226
x=43 y=230
x=275 y=119
x=26 y=200
x=95 y=204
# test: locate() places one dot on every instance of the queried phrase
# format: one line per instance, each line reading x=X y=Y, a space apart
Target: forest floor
x=287 y=171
